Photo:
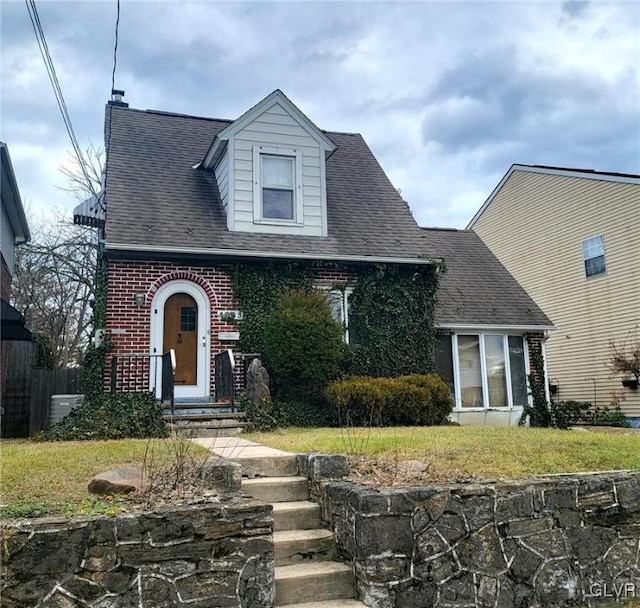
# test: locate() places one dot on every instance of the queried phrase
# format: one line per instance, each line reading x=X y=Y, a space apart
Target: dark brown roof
x=155 y=197
x=476 y=288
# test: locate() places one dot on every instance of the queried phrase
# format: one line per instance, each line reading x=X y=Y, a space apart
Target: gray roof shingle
x=155 y=197
x=476 y=288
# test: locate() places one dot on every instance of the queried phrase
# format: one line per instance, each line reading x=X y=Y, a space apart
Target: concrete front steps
x=306 y=574
x=196 y=419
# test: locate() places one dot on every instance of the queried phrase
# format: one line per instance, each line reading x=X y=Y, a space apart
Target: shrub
x=119 y=416
x=408 y=400
x=303 y=345
x=285 y=413
x=570 y=413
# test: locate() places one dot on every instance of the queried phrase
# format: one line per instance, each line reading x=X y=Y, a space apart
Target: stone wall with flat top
x=208 y=554
x=543 y=543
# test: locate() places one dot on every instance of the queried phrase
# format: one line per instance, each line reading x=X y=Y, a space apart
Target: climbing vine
x=94 y=359
x=391 y=312
x=391 y=321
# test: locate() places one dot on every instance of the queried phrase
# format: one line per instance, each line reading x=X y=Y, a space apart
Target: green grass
x=485 y=452
x=52 y=478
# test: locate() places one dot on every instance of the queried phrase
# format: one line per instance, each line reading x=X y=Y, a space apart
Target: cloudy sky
x=447 y=94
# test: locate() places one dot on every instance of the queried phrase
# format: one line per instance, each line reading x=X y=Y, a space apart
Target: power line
x=110 y=108
x=57 y=90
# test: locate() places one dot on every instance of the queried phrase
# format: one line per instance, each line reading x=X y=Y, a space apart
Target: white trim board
x=164 y=292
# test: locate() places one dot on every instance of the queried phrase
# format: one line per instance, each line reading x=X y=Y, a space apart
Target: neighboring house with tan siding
x=571 y=238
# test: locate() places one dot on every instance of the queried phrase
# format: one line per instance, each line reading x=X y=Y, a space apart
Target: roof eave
x=496 y=326
x=15 y=208
x=280 y=255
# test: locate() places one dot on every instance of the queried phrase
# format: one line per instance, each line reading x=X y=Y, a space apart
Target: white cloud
x=447 y=95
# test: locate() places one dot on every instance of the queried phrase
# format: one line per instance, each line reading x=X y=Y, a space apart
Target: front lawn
x=52 y=478
x=484 y=452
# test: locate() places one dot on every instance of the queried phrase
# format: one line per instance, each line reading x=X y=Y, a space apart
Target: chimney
x=116 y=98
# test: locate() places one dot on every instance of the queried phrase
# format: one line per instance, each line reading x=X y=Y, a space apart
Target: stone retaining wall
x=564 y=541
x=209 y=554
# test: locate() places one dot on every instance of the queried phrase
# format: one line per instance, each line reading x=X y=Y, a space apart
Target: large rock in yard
x=122 y=480
x=258 y=385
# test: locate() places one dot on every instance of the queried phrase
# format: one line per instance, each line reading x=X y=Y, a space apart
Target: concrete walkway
x=252 y=456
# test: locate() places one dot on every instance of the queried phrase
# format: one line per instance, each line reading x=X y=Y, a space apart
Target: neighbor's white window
x=593 y=256
x=277 y=185
x=484 y=370
x=339 y=302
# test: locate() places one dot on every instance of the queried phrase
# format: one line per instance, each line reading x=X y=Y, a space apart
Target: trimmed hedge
x=119 y=416
x=421 y=400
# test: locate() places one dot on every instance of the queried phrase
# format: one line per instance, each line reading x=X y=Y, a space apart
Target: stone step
x=277 y=489
x=214 y=428
x=256 y=464
x=298 y=515
x=340 y=603
x=204 y=415
x=315 y=581
x=303 y=546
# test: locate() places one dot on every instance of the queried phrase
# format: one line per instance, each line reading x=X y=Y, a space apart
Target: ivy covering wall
x=391 y=311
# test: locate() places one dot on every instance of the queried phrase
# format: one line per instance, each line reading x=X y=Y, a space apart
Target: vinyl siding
x=535 y=226
x=276 y=128
x=222 y=177
x=7 y=242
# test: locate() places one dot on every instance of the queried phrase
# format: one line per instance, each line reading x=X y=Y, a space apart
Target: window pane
x=277 y=204
x=593 y=255
x=277 y=172
x=336 y=299
x=444 y=360
x=188 y=318
x=518 y=371
x=496 y=372
x=594 y=266
x=470 y=372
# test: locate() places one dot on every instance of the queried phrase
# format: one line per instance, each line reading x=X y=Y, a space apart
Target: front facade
x=189 y=200
x=571 y=238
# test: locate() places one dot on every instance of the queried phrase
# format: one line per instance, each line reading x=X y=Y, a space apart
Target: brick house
x=190 y=198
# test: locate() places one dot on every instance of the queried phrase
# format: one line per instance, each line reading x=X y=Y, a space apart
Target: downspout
x=543 y=350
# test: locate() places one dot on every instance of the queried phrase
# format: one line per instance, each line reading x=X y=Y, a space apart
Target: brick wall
x=128 y=324
x=534 y=344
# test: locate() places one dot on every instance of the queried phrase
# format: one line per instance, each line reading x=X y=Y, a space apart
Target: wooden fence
x=28 y=389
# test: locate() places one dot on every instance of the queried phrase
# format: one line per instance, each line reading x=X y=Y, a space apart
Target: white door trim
x=201 y=389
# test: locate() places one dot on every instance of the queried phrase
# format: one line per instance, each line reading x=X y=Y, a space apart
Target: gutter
x=281 y=255
x=497 y=327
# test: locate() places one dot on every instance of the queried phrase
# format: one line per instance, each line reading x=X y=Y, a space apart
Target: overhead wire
x=110 y=109
x=57 y=90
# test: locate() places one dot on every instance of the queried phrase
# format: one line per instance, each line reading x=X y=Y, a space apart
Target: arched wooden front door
x=181 y=334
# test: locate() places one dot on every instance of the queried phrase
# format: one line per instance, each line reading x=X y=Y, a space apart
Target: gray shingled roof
x=156 y=198
x=476 y=288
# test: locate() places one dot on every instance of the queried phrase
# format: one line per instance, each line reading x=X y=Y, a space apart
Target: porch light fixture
x=138 y=299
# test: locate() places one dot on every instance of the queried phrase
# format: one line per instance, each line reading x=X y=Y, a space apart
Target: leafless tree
x=55 y=272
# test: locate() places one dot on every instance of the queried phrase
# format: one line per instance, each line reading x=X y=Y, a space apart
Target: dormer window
x=277 y=186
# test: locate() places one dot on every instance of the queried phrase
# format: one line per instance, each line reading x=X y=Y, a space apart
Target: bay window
x=484 y=370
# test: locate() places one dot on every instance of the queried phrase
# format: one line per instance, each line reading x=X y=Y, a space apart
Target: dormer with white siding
x=270 y=169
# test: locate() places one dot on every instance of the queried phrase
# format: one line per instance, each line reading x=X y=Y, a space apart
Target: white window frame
x=483 y=369
x=298 y=206
x=585 y=259
x=344 y=294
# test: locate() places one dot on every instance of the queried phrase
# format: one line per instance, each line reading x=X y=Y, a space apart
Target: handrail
x=139 y=372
